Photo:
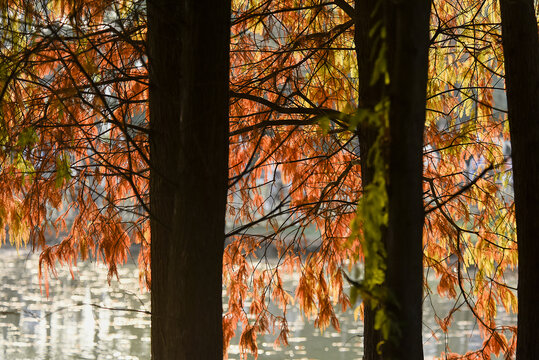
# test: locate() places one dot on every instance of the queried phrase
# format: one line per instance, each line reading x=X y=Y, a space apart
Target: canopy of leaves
x=74 y=145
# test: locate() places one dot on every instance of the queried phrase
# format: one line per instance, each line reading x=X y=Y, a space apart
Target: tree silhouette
x=521 y=51
x=75 y=141
x=188 y=45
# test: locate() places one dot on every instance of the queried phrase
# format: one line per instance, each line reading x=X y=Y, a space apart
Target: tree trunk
x=368 y=14
x=407 y=29
x=521 y=52
x=188 y=45
x=407 y=25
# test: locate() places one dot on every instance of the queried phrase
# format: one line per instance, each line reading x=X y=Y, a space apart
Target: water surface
x=81 y=319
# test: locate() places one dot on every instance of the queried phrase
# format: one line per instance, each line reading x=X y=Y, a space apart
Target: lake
x=80 y=319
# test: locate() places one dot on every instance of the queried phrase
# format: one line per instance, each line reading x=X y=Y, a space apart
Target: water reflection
x=65 y=325
x=74 y=322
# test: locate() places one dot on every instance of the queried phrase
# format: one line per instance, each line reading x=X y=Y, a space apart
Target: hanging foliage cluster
x=74 y=159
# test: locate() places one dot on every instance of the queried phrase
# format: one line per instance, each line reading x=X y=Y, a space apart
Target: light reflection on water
x=66 y=326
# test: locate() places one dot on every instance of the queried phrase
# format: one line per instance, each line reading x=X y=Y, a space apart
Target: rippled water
x=76 y=322
x=64 y=325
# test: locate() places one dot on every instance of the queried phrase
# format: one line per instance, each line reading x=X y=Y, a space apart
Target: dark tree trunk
x=407 y=25
x=188 y=44
x=521 y=52
x=368 y=14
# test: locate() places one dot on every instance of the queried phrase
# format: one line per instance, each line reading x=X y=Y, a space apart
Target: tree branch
x=461 y=190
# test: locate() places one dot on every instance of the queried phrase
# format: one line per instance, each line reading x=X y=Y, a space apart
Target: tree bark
x=367 y=16
x=188 y=43
x=521 y=52
x=407 y=29
x=407 y=25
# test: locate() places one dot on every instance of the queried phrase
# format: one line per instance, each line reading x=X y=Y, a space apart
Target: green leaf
x=27 y=137
x=354 y=294
x=63 y=170
x=324 y=124
x=379 y=319
x=23 y=165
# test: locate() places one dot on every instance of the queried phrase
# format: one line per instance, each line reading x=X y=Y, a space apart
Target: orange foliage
x=75 y=160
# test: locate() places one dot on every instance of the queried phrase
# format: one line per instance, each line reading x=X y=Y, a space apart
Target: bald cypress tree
x=188 y=44
x=521 y=51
